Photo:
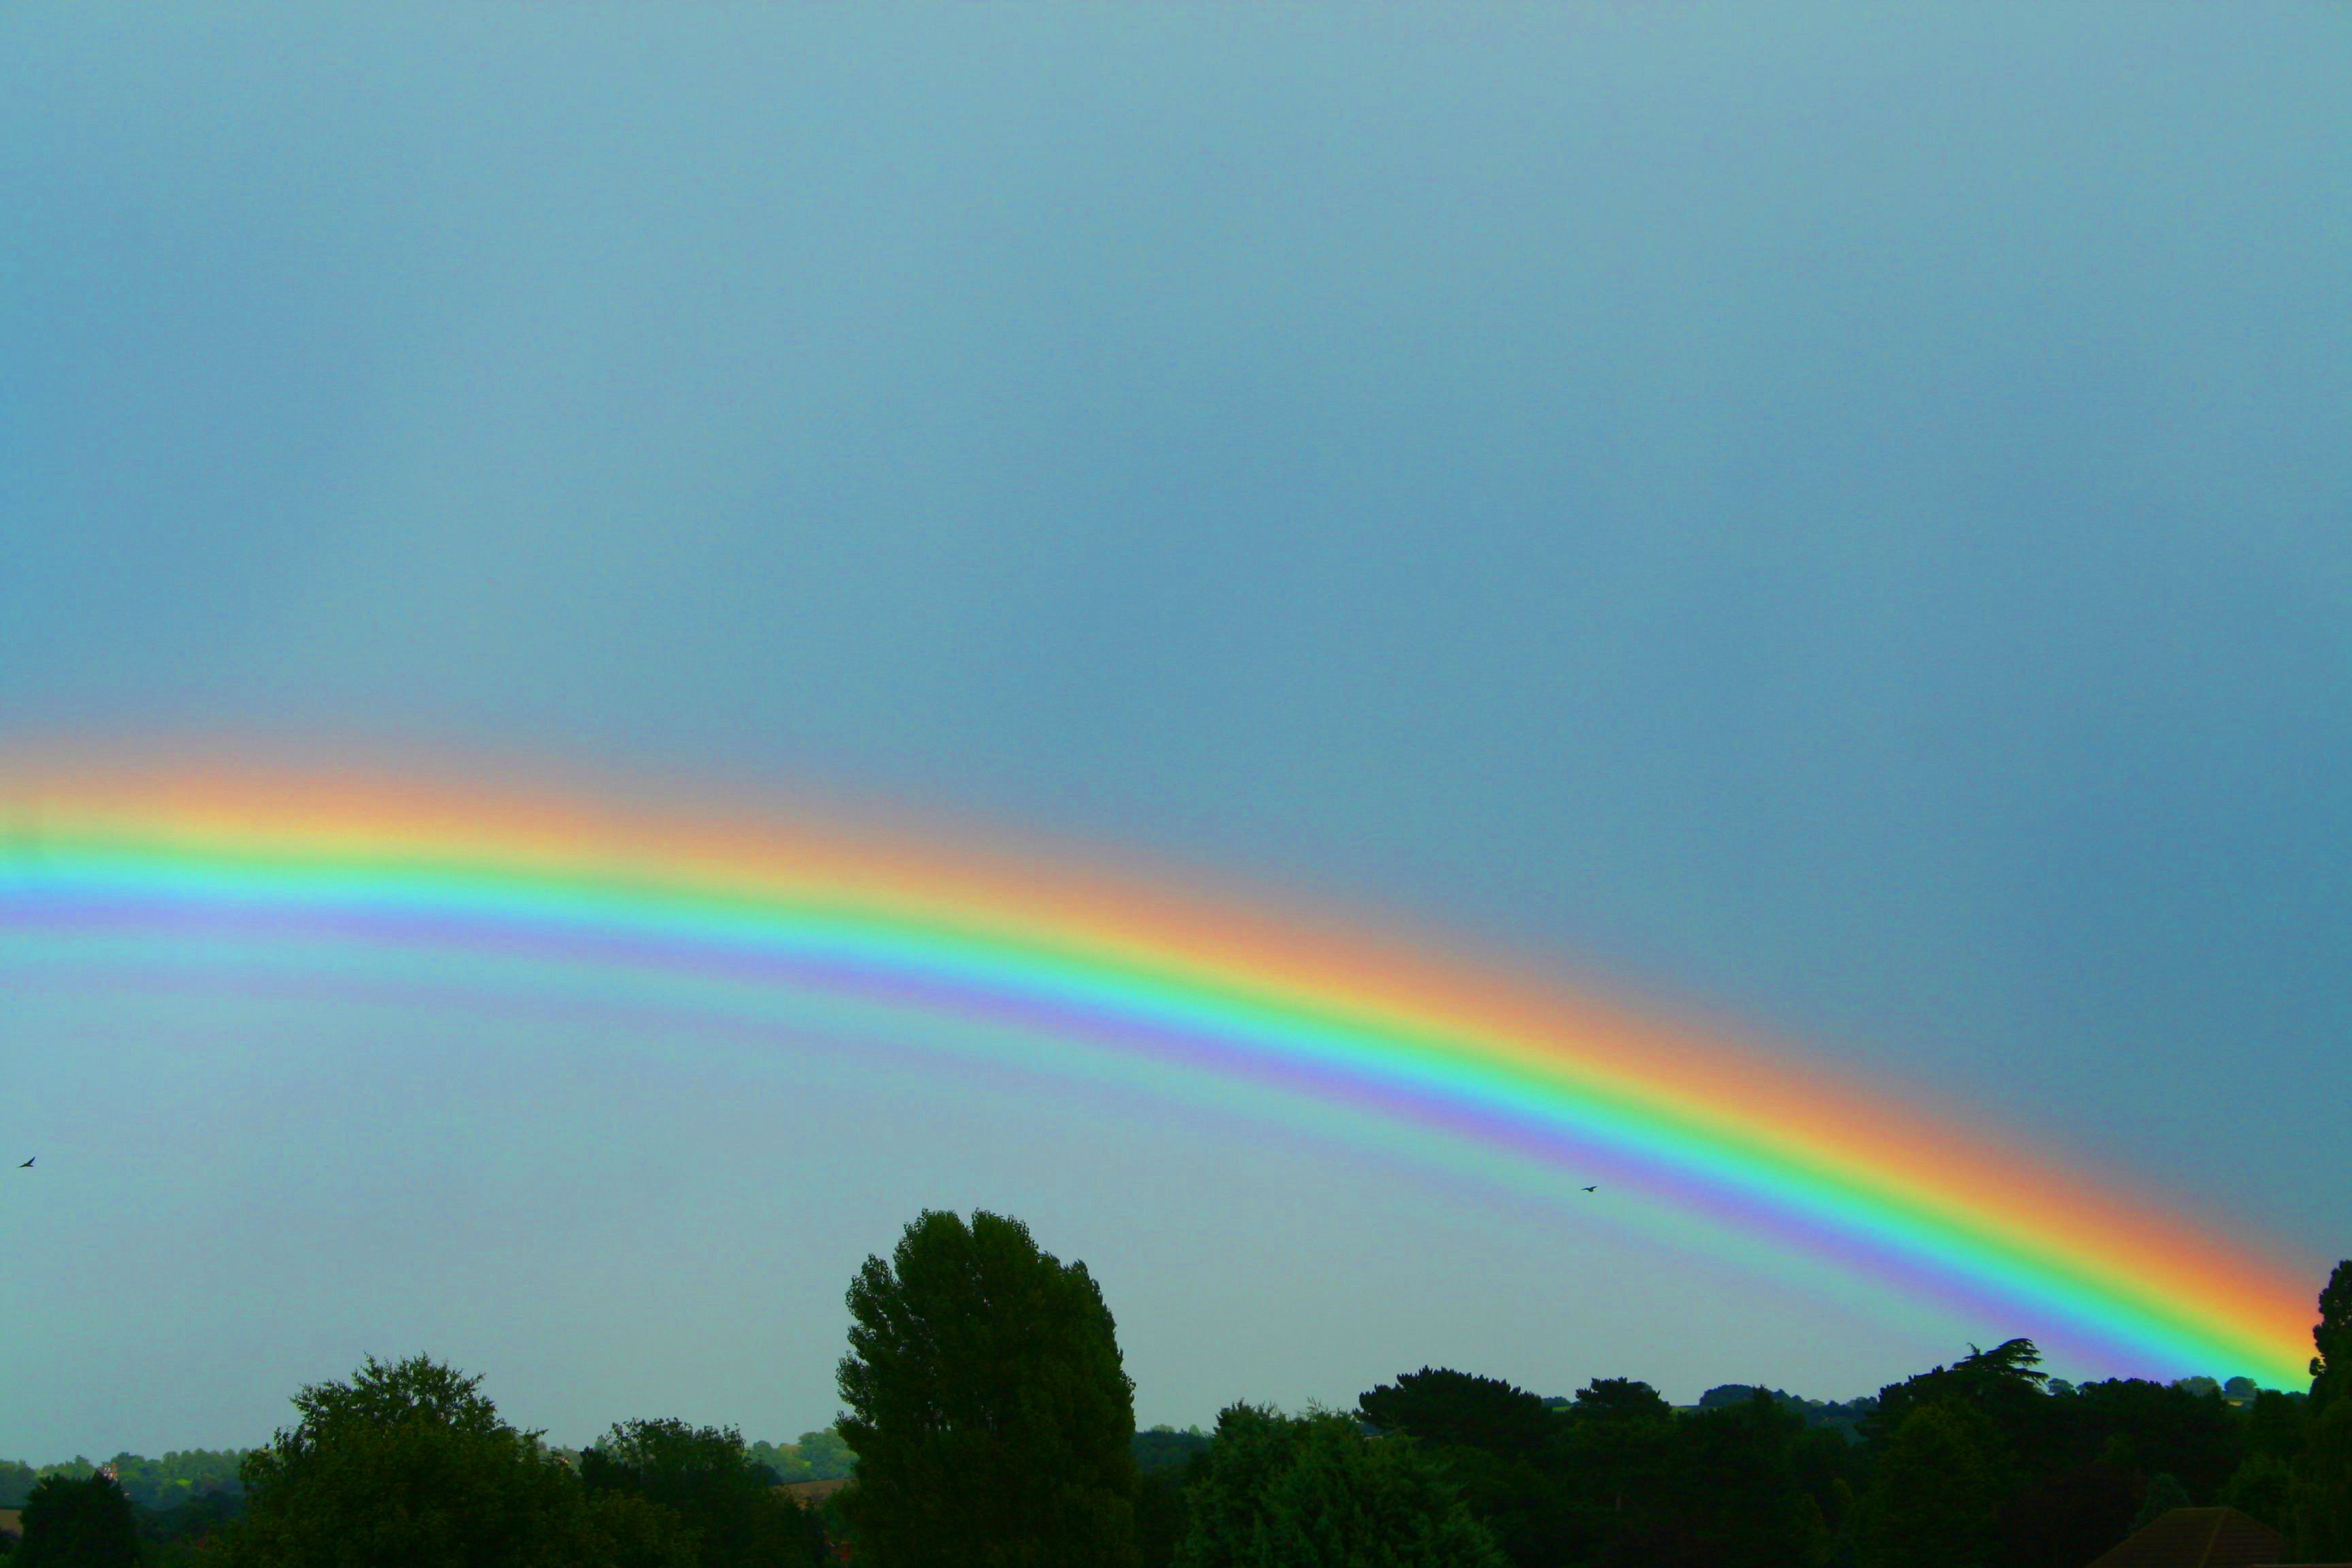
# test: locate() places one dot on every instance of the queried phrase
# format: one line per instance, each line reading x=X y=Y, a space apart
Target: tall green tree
x=726 y=1502
x=1312 y=1491
x=407 y=1464
x=1619 y=1476
x=1438 y=1405
x=1498 y=1445
x=1738 y=1497
x=83 y=1523
x=2322 y=1493
x=987 y=1404
x=2331 y=1369
x=1937 y=1499
x=2005 y=1385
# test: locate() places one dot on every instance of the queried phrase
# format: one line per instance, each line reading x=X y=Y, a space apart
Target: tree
x=1167 y=1461
x=1441 y=1405
x=2331 y=1369
x=1312 y=1491
x=1736 y=1492
x=987 y=1405
x=1498 y=1446
x=1620 y=1462
x=2164 y=1494
x=408 y=1465
x=1937 y=1495
x=818 y=1456
x=2323 y=1486
x=2154 y=1429
x=77 y=1524
x=2067 y=1519
x=726 y=1502
x=2004 y=1383
x=2263 y=1487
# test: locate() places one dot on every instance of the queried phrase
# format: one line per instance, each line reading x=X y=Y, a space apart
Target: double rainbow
x=265 y=877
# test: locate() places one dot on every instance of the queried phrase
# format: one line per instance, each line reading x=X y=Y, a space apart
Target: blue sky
x=1836 y=516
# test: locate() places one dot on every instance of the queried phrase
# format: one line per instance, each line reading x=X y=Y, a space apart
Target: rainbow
x=260 y=875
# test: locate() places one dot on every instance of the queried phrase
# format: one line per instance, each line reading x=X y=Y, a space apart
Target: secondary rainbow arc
x=734 y=912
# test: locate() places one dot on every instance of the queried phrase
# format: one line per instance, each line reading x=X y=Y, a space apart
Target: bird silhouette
x=1592 y=1189
x=27 y=1165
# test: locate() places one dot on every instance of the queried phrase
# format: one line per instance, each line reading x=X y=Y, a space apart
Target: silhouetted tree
x=2323 y=1486
x=987 y=1405
x=1496 y=1443
x=2153 y=1428
x=1167 y=1461
x=2263 y=1487
x=2164 y=1494
x=2066 y=1520
x=1440 y=1405
x=408 y=1465
x=1617 y=1473
x=83 y=1523
x=2331 y=1369
x=1734 y=1493
x=2274 y=1425
x=629 y=1531
x=1937 y=1498
x=1312 y=1491
x=727 y=1502
x=2004 y=1385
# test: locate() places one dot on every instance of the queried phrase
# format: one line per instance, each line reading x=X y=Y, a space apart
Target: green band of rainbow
x=771 y=923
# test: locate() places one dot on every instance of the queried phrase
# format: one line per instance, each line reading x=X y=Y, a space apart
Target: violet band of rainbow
x=345 y=884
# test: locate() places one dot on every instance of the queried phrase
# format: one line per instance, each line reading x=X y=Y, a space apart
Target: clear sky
x=1836 y=516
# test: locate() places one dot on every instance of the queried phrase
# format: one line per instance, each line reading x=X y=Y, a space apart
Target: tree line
x=990 y=1423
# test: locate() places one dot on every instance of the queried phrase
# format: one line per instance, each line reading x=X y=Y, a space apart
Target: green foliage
x=1845 y=1417
x=2151 y=1429
x=2164 y=1494
x=629 y=1531
x=818 y=1456
x=2004 y=1385
x=987 y=1405
x=1733 y=1492
x=2067 y=1518
x=1165 y=1448
x=1457 y=1408
x=178 y=1478
x=1166 y=1462
x=2274 y=1423
x=1620 y=1399
x=183 y=1535
x=408 y=1465
x=86 y=1523
x=1937 y=1500
x=2331 y=1369
x=2322 y=1493
x=728 y=1510
x=1618 y=1465
x=1312 y=1491
x=2264 y=1488
x=1496 y=1443
x=159 y=1485
x=984 y=1378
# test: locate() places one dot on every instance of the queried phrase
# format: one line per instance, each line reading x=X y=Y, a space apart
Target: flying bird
x=27 y=1165
x=1592 y=1189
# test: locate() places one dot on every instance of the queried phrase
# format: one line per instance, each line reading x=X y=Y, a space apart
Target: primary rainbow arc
x=261 y=870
